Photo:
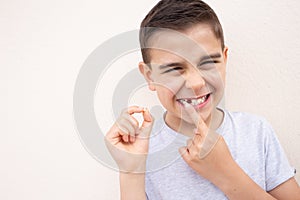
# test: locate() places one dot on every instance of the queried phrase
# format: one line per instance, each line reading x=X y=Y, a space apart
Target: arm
x=208 y=154
x=236 y=184
x=128 y=144
x=288 y=190
x=132 y=186
x=220 y=168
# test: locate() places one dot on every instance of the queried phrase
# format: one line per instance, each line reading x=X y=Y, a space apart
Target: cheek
x=169 y=86
x=215 y=78
x=165 y=93
x=165 y=97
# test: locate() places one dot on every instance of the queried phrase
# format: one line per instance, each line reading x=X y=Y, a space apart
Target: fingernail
x=127 y=138
x=132 y=139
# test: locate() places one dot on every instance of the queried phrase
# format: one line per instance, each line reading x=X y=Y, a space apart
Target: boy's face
x=189 y=66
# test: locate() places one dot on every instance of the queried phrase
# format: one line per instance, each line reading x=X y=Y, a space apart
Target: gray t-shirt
x=251 y=141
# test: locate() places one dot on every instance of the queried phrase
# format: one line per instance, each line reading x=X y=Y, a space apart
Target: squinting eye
x=209 y=62
x=173 y=69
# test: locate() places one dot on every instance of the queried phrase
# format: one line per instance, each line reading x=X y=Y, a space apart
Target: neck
x=214 y=121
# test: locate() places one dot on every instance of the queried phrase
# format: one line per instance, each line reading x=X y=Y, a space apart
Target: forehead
x=169 y=45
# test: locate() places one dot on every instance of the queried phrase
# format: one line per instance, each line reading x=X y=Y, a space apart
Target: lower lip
x=200 y=105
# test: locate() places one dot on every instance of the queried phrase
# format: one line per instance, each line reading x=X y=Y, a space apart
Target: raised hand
x=128 y=142
x=207 y=152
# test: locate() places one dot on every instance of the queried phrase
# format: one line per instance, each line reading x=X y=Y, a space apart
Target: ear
x=225 y=54
x=146 y=71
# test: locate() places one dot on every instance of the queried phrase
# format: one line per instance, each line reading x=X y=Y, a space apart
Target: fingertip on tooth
x=186 y=104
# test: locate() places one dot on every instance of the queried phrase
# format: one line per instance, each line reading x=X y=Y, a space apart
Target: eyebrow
x=164 y=66
x=176 y=64
x=212 y=56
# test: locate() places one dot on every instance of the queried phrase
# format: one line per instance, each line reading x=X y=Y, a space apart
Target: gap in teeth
x=194 y=102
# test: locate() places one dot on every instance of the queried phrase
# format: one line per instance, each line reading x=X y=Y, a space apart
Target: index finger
x=195 y=116
x=134 y=109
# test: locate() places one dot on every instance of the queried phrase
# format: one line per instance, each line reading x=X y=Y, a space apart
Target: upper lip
x=193 y=98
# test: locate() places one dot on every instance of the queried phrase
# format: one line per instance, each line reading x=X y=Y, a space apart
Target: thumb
x=147 y=124
x=184 y=153
x=148 y=118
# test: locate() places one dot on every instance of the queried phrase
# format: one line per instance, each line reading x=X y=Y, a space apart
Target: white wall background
x=43 y=45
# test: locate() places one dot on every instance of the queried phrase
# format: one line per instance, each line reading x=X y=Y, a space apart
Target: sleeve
x=277 y=167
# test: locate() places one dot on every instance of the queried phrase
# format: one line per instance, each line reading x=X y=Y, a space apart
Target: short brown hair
x=178 y=15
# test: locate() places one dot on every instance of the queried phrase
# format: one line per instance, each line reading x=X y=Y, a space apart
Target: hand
x=207 y=152
x=127 y=142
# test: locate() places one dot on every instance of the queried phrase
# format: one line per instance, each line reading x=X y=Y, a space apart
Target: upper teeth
x=193 y=102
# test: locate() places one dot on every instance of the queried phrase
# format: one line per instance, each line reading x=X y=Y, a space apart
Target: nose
x=194 y=80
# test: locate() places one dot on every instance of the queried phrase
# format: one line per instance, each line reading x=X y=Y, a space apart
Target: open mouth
x=195 y=102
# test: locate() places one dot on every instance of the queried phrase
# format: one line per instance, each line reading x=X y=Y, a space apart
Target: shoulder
x=246 y=127
x=247 y=120
x=253 y=140
x=245 y=117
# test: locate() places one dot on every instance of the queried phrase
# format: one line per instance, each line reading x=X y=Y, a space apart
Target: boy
x=198 y=151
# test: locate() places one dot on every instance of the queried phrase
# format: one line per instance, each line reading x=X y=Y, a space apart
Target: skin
x=191 y=77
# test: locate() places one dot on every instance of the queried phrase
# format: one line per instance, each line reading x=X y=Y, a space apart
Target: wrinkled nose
x=194 y=80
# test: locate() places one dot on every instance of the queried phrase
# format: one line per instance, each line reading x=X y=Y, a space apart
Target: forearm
x=132 y=186
x=236 y=184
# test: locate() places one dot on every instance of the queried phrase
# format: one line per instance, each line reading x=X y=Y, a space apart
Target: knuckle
x=132 y=133
x=122 y=130
x=198 y=146
x=192 y=153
